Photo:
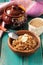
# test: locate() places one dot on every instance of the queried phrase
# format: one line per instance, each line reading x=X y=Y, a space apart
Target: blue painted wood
x=1 y=1
x=42 y=42
x=0 y=45
x=7 y=0
x=4 y=1
x=7 y=56
x=34 y=59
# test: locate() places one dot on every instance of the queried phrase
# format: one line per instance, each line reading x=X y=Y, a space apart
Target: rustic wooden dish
x=20 y=32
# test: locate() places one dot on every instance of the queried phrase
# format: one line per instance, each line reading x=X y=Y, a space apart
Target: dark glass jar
x=14 y=16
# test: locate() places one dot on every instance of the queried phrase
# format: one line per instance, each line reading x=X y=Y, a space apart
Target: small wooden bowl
x=21 y=32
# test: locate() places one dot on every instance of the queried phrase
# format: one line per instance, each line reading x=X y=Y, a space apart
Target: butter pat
x=24 y=38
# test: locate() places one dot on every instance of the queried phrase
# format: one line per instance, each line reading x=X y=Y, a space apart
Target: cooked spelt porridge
x=24 y=42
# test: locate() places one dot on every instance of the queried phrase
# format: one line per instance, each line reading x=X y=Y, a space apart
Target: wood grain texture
x=8 y=57
x=4 y=1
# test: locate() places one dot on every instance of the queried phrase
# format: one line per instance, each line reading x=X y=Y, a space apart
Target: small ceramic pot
x=14 y=15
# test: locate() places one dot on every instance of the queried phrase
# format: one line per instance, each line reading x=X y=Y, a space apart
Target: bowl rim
x=31 y=51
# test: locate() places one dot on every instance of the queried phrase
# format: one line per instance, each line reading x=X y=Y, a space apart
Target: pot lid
x=14 y=11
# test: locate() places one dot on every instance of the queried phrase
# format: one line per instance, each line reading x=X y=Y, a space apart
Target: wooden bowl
x=21 y=32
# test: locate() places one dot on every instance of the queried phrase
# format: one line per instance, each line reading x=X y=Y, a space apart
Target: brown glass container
x=14 y=16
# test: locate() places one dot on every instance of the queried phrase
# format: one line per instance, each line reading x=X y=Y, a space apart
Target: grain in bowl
x=24 y=43
x=36 y=26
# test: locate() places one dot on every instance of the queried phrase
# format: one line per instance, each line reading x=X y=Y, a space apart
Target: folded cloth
x=35 y=10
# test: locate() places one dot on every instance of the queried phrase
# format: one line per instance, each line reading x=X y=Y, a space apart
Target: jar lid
x=14 y=11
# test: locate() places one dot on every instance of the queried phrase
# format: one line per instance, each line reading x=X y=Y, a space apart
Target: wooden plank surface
x=1 y=1
x=7 y=56
x=10 y=58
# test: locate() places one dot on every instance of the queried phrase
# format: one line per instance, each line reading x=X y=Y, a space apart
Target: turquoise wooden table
x=8 y=57
x=4 y=1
